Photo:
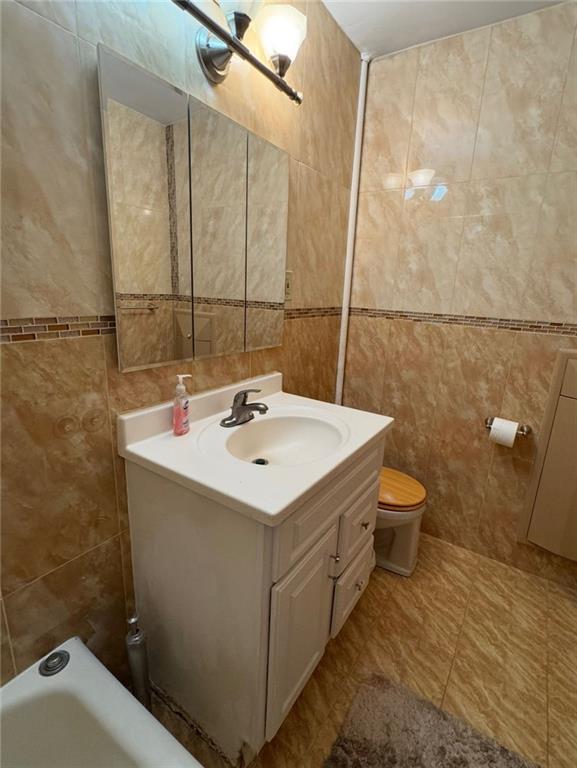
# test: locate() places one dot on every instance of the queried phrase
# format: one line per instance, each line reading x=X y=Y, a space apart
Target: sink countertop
x=268 y=493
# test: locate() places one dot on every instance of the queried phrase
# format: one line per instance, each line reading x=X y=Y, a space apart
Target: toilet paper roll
x=503 y=431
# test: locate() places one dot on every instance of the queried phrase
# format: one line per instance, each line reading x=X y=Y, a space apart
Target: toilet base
x=396 y=547
x=389 y=565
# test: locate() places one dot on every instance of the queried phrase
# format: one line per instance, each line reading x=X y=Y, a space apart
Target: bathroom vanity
x=244 y=571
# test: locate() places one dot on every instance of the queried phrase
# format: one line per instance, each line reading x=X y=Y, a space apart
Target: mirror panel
x=218 y=184
x=266 y=247
x=145 y=130
x=198 y=214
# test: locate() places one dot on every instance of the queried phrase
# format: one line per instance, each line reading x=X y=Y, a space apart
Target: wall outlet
x=288 y=285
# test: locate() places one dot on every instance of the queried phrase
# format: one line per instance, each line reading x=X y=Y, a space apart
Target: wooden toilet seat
x=400 y=492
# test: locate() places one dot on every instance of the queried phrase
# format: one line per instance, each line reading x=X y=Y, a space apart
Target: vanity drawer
x=298 y=533
x=351 y=585
x=357 y=525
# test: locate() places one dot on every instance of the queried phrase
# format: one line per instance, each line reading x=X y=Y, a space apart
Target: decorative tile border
x=296 y=313
x=44 y=328
x=79 y=326
x=222 y=302
x=529 y=326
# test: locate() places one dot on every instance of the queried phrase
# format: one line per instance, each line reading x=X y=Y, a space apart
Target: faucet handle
x=241 y=397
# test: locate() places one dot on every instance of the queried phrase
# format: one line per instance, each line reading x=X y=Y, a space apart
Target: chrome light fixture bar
x=214 y=55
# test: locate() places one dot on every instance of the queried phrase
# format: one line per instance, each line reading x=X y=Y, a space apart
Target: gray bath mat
x=389 y=727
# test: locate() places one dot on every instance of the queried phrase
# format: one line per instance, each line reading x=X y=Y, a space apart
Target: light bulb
x=421 y=177
x=281 y=30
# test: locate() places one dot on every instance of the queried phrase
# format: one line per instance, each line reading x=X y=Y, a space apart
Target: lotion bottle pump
x=180 y=425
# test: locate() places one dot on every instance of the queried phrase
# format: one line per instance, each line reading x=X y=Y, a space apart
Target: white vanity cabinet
x=239 y=604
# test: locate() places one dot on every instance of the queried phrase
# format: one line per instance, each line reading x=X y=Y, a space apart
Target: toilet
x=402 y=501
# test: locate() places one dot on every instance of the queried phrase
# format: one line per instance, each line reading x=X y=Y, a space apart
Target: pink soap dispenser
x=180 y=425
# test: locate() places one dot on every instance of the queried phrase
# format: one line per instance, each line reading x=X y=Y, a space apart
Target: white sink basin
x=285 y=440
x=304 y=441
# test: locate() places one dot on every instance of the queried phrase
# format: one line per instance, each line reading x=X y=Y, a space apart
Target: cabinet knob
x=365 y=526
x=359 y=585
x=336 y=558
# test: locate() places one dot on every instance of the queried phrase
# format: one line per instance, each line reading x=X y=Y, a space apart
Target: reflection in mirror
x=267 y=214
x=145 y=128
x=218 y=184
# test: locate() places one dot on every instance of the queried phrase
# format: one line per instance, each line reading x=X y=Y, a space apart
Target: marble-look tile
x=224 y=329
x=56 y=258
x=145 y=337
x=137 y=389
x=526 y=71
x=7 y=670
x=409 y=394
x=136 y=155
x=264 y=328
x=532 y=364
x=390 y=97
x=328 y=113
x=501 y=658
x=266 y=361
x=565 y=150
x=141 y=245
x=62 y=12
x=64 y=442
x=83 y=597
x=366 y=363
x=431 y=604
x=411 y=660
x=266 y=252
x=219 y=371
x=376 y=246
x=429 y=249
x=503 y=505
x=218 y=252
x=475 y=366
x=551 y=286
x=267 y=221
x=317 y=239
x=310 y=349
x=152 y=34
x=562 y=679
x=497 y=246
x=447 y=102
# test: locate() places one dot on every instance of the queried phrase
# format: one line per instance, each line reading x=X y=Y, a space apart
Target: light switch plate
x=288 y=285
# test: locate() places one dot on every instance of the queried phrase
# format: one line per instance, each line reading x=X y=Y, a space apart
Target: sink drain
x=260 y=462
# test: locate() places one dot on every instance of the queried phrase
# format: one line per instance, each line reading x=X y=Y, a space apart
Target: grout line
x=9 y=638
x=59 y=567
x=473 y=580
x=113 y=443
x=481 y=98
x=563 y=93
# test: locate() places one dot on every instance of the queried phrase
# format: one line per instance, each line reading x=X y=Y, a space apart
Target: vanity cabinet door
x=299 y=627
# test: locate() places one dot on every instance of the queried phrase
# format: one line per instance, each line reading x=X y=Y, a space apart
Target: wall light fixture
x=281 y=29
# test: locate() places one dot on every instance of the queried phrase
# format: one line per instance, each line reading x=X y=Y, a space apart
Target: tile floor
x=486 y=642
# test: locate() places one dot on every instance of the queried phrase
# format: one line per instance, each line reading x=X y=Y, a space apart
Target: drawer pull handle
x=359 y=585
x=336 y=558
x=365 y=526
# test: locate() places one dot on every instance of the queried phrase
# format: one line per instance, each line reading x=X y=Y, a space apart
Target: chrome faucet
x=241 y=411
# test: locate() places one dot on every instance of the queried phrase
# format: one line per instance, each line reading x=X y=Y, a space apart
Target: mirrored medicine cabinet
x=198 y=216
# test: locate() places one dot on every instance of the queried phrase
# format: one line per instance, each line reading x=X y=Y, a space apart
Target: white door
x=299 y=628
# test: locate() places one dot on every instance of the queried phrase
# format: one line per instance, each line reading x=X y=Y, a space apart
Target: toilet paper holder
x=524 y=430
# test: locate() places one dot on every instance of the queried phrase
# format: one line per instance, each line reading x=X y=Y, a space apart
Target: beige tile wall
x=494 y=113
x=65 y=542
